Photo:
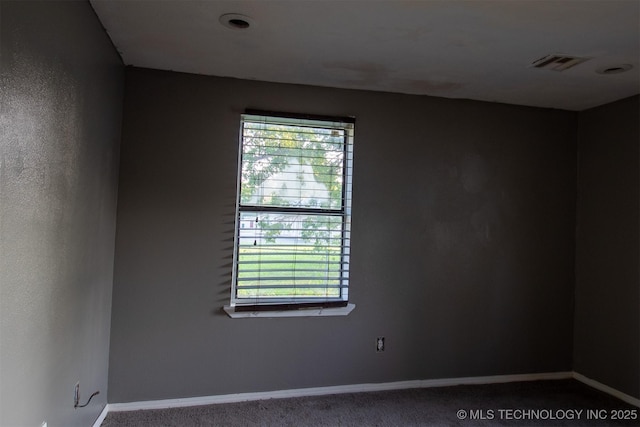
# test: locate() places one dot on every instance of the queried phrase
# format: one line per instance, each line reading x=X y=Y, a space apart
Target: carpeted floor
x=536 y=403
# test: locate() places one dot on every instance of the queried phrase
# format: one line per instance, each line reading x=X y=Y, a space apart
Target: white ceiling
x=456 y=49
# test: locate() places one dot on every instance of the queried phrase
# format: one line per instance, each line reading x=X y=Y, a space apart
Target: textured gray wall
x=62 y=86
x=607 y=313
x=462 y=257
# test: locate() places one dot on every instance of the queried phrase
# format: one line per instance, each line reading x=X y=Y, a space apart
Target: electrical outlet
x=380 y=344
x=76 y=395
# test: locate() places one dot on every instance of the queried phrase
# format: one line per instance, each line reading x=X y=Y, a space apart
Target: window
x=293 y=215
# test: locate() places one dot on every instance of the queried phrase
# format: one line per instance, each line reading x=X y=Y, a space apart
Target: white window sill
x=308 y=312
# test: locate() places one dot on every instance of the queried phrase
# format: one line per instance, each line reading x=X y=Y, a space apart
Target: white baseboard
x=319 y=391
x=605 y=388
x=102 y=416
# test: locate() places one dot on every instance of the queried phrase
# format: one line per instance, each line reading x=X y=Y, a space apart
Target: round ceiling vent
x=614 y=69
x=236 y=21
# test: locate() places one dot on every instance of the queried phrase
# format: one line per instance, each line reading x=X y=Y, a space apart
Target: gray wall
x=462 y=257
x=62 y=86
x=607 y=313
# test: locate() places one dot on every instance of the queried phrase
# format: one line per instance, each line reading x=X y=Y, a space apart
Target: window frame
x=303 y=305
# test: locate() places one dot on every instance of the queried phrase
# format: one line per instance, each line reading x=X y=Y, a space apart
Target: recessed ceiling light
x=614 y=69
x=236 y=21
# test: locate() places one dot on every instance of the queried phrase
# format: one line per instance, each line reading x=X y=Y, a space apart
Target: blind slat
x=290 y=261
x=276 y=246
x=323 y=287
x=292 y=254
x=265 y=280
x=338 y=148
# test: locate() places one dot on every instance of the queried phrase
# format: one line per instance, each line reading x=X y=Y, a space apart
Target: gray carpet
x=536 y=403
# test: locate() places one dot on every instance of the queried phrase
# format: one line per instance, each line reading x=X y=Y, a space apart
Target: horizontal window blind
x=292 y=242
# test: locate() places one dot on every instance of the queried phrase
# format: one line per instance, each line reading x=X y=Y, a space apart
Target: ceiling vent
x=558 y=62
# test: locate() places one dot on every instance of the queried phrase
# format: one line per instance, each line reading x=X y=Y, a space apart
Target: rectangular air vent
x=557 y=62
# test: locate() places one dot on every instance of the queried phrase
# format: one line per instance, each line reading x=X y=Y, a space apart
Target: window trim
x=234 y=313
x=287 y=307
